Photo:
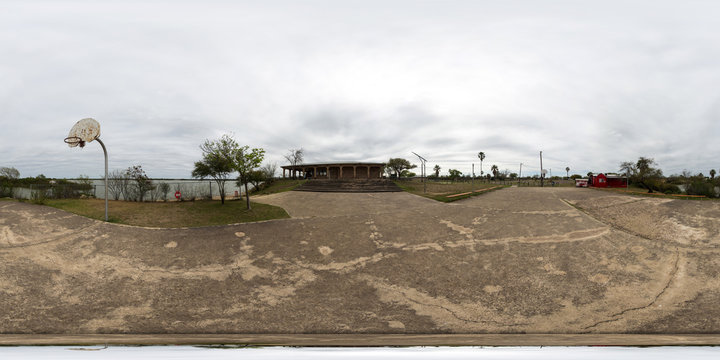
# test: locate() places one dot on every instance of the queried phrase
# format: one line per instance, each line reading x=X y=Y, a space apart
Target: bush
x=38 y=196
x=701 y=187
x=164 y=189
x=666 y=188
x=6 y=188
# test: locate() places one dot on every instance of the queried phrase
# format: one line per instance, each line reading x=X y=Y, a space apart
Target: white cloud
x=590 y=84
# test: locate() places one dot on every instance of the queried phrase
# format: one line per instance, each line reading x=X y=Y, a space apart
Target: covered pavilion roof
x=337 y=163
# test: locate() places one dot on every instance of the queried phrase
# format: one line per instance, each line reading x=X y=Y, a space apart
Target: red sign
x=177 y=195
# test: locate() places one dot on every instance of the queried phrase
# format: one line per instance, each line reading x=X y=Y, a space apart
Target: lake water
x=188 y=188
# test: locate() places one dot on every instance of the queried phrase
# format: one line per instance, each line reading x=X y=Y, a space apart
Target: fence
x=158 y=191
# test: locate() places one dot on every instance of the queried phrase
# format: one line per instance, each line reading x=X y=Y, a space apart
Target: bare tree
x=269 y=171
x=295 y=157
x=116 y=178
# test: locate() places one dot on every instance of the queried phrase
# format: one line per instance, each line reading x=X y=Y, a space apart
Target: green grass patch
x=278 y=186
x=171 y=214
x=447 y=191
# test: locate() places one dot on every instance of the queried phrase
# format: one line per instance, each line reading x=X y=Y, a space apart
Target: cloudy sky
x=589 y=83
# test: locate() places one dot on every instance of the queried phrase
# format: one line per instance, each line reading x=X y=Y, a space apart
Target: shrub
x=6 y=188
x=700 y=187
x=164 y=189
x=666 y=188
x=38 y=195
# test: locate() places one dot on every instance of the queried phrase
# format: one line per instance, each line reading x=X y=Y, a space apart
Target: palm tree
x=481 y=155
x=437 y=170
x=494 y=170
x=567 y=171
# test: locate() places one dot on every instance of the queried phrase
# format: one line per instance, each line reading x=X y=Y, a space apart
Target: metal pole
x=520 y=176
x=106 y=177
x=472 y=178
x=542 y=176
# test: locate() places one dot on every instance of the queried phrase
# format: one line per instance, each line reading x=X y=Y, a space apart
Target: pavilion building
x=343 y=170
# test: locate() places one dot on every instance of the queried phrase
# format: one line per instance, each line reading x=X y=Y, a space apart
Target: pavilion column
x=340 y=172
x=354 y=171
x=315 y=173
x=368 y=171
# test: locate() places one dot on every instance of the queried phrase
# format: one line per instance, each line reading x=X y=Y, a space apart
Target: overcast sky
x=590 y=83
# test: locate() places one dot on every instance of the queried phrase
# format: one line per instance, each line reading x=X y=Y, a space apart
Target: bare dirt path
x=519 y=260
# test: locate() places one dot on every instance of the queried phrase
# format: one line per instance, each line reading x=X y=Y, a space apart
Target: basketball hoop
x=84 y=131
x=74 y=141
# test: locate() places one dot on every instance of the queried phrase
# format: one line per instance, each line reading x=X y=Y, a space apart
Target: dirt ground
x=517 y=260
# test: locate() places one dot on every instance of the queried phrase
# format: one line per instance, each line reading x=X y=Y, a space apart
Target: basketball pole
x=106 y=177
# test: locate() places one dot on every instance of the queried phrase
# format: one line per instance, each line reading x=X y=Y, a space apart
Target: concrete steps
x=358 y=186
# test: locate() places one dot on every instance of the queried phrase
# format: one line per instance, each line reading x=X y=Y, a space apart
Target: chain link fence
x=156 y=190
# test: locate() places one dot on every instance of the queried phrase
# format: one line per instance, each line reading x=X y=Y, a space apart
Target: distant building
x=344 y=170
x=607 y=181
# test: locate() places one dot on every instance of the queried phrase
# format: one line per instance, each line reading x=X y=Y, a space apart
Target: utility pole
x=542 y=174
x=472 y=178
x=520 y=175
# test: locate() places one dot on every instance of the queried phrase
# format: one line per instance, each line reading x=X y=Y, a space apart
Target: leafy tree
x=142 y=184
x=712 y=173
x=437 y=170
x=164 y=190
x=398 y=165
x=256 y=178
x=9 y=173
x=295 y=157
x=481 y=156
x=576 y=176
x=245 y=162
x=494 y=170
x=454 y=174
x=218 y=161
x=643 y=172
x=513 y=176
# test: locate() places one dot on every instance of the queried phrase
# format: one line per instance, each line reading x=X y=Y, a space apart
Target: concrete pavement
x=518 y=260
